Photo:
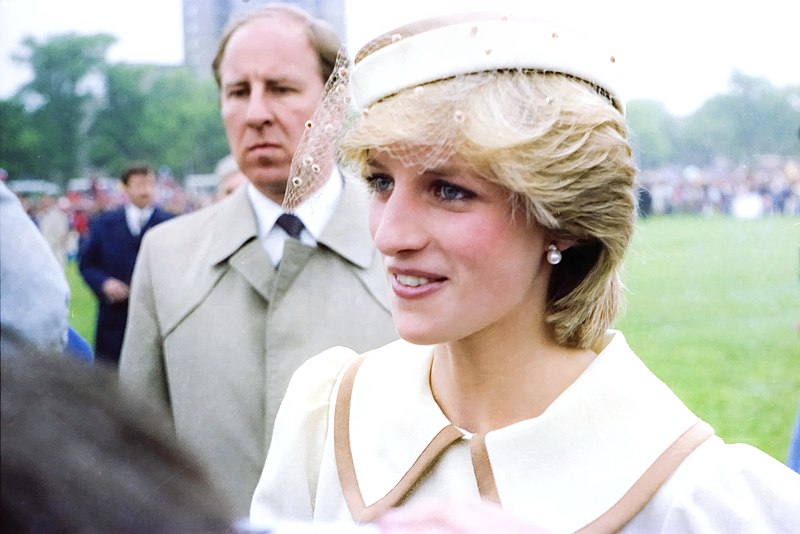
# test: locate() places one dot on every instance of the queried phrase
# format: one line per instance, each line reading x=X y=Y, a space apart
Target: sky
x=680 y=52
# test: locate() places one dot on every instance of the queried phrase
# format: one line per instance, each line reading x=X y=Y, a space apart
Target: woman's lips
x=411 y=286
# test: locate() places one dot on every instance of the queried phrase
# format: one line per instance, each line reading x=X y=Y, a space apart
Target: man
x=109 y=252
x=53 y=222
x=225 y=304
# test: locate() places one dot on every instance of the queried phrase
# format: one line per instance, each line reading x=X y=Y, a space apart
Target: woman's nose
x=397 y=224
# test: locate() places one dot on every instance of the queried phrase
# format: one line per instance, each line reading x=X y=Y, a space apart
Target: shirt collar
x=315 y=212
x=133 y=211
x=137 y=217
x=585 y=451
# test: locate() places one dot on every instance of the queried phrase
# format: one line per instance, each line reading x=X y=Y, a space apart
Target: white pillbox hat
x=443 y=47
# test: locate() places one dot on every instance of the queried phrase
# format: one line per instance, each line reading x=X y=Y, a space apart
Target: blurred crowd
x=64 y=219
x=770 y=187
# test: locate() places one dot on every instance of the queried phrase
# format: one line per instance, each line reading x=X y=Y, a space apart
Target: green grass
x=82 y=304
x=712 y=308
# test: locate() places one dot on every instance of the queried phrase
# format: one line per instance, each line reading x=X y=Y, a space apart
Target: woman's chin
x=418 y=336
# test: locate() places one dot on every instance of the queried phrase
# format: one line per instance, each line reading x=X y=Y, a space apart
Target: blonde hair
x=555 y=143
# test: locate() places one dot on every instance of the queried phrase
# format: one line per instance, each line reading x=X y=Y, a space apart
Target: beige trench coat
x=215 y=332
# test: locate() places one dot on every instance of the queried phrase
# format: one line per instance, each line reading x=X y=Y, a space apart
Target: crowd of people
x=402 y=317
x=769 y=187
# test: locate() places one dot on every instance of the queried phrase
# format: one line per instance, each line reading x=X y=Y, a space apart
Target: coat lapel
x=230 y=243
x=347 y=234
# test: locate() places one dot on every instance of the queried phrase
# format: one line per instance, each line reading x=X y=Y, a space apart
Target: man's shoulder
x=109 y=214
x=184 y=226
x=160 y=214
x=108 y=218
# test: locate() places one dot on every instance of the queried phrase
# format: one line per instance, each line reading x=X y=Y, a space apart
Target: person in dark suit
x=109 y=252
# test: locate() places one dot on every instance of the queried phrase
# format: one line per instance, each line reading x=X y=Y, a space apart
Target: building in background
x=205 y=20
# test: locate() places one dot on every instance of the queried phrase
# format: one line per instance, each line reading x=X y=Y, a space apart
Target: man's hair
x=135 y=169
x=560 y=149
x=79 y=455
x=321 y=35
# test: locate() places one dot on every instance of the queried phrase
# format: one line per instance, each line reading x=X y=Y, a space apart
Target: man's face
x=141 y=189
x=270 y=86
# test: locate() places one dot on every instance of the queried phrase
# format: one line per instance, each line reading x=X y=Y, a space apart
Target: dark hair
x=321 y=35
x=135 y=169
x=80 y=455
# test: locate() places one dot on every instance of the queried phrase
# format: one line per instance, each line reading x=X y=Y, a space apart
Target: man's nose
x=259 y=110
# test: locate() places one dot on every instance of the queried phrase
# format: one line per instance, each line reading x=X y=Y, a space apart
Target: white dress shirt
x=137 y=217
x=315 y=213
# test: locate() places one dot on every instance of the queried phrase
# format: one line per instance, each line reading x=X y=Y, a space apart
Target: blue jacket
x=109 y=251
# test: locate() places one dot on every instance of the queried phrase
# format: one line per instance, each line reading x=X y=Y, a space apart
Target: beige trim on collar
x=346 y=468
x=614 y=519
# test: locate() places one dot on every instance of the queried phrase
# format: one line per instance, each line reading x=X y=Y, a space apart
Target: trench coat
x=215 y=332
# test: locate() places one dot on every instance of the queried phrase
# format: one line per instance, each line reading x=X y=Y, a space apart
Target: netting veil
x=314 y=156
x=407 y=62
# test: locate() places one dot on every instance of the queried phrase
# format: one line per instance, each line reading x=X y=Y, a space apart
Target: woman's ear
x=564 y=244
x=561 y=244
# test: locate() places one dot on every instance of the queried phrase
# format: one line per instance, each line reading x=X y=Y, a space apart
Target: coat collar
x=584 y=452
x=232 y=240
x=347 y=233
x=234 y=226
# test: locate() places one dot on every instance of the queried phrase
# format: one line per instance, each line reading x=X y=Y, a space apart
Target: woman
x=503 y=202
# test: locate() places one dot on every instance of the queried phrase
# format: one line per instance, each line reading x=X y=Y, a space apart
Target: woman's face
x=458 y=263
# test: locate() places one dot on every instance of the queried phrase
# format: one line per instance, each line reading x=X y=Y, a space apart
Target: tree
x=183 y=124
x=753 y=118
x=163 y=115
x=62 y=66
x=20 y=141
x=115 y=136
x=653 y=133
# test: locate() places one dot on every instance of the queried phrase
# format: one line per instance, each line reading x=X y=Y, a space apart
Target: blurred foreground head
x=78 y=455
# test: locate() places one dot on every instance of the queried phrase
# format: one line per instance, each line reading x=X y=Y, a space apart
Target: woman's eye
x=452 y=193
x=379 y=183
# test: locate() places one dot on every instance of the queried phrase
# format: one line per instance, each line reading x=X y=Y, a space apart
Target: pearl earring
x=553 y=254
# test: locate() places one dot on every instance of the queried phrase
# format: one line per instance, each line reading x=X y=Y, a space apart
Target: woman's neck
x=486 y=383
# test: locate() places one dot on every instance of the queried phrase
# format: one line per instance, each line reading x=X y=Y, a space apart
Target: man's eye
x=237 y=92
x=379 y=183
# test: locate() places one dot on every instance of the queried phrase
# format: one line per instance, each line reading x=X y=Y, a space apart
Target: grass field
x=712 y=308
